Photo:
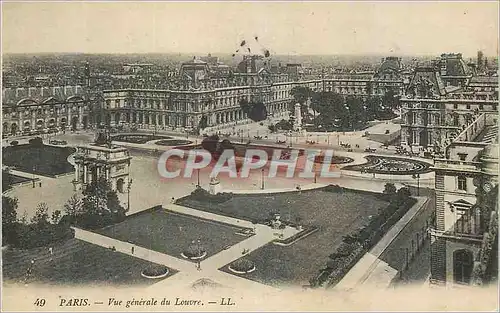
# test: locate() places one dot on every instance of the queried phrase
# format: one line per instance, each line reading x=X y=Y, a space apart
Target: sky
x=288 y=28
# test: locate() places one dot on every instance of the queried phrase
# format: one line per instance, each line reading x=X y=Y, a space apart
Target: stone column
x=77 y=172
x=85 y=173
x=33 y=120
x=80 y=116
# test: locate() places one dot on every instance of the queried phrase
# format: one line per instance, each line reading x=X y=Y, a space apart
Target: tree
x=73 y=206
x=391 y=100
x=357 y=115
x=56 y=216
x=9 y=219
x=258 y=111
x=301 y=94
x=210 y=143
x=373 y=107
x=284 y=125
x=332 y=112
x=203 y=122
x=100 y=205
x=41 y=216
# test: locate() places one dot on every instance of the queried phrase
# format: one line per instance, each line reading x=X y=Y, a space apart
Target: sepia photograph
x=250 y=156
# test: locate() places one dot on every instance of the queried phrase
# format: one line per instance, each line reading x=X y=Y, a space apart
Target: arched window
x=462 y=266
x=120 y=185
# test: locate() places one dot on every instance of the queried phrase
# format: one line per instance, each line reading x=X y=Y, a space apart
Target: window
x=462 y=156
x=462 y=183
x=455 y=106
x=468 y=106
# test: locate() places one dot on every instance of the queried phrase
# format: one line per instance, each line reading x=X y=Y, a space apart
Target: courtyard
x=335 y=214
x=43 y=160
x=173 y=233
x=75 y=262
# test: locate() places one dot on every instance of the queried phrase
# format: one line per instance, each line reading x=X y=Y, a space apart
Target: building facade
x=212 y=91
x=463 y=239
x=42 y=110
x=436 y=107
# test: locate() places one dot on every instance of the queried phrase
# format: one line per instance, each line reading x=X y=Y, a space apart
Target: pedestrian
x=173 y=200
x=51 y=251
x=133 y=249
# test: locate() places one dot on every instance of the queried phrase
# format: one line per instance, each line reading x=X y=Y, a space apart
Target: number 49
x=39 y=302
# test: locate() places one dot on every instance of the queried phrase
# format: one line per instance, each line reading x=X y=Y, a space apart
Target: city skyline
x=292 y=28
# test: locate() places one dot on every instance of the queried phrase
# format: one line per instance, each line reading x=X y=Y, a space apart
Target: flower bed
x=155 y=272
x=201 y=194
x=242 y=266
x=336 y=159
x=391 y=165
x=194 y=252
x=137 y=138
x=293 y=239
x=173 y=142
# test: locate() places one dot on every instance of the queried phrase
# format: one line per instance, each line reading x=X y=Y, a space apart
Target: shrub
x=33 y=235
x=155 y=270
x=194 y=251
x=389 y=189
x=200 y=194
x=242 y=265
x=334 y=188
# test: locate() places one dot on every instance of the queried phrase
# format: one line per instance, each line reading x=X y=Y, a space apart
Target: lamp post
x=315 y=174
x=417 y=177
x=262 y=179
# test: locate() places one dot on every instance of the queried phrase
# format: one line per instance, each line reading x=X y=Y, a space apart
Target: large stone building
x=388 y=77
x=44 y=109
x=441 y=99
x=213 y=91
x=463 y=240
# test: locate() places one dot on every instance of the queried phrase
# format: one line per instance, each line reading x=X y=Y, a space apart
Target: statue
x=102 y=137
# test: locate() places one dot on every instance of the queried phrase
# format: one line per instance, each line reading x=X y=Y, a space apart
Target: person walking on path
x=133 y=249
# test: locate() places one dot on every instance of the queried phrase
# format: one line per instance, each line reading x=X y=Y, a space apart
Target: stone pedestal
x=214 y=187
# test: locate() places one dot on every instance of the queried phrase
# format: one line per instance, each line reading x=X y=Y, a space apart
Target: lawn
x=9 y=180
x=76 y=262
x=171 y=233
x=336 y=215
x=42 y=160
